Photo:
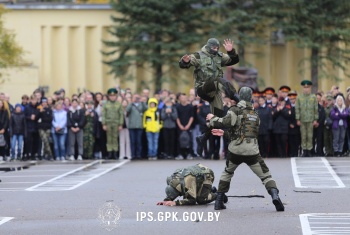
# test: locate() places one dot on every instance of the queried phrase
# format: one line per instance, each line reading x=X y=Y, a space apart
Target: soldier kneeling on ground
x=194 y=183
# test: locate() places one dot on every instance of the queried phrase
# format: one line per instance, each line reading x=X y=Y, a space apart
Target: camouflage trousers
x=45 y=136
x=306 y=130
x=328 y=140
x=88 y=144
x=255 y=163
x=212 y=91
x=112 y=137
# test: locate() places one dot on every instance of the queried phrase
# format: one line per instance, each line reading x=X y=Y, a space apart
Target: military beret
x=285 y=88
x=269 y=90
x=306 y=83
x=112 y=91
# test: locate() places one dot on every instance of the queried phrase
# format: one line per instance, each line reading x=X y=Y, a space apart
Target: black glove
x=213 y=189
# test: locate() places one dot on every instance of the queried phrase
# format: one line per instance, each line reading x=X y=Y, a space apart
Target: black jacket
x=293 y=121
x=18 y=124
x=32 y=125
x=281 y=120
x=4 y=120
x=45 y=119
x=76 y=119
x=265 y=116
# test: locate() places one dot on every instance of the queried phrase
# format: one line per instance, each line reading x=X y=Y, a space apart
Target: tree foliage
x=10 y=52
x=319 y=25
x=243 y=20
x=154 y=34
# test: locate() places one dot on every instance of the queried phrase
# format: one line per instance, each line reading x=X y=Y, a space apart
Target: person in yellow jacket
x=152 y=123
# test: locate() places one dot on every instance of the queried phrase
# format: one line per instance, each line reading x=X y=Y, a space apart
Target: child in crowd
x=153 y=124
x=18 y=131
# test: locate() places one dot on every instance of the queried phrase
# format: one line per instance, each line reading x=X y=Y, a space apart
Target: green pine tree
x=319 y=25
x=154 y=34
x=242 y=20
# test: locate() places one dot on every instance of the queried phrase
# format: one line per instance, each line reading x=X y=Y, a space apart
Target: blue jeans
x=135 y=142
x=59 y=141
x=152 y=139
x=16 y=139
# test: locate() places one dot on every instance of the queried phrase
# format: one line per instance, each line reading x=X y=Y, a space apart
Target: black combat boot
x=219 y=202
x=305 y=153
x=276 y=199
x=110 y=155
x=229 y=89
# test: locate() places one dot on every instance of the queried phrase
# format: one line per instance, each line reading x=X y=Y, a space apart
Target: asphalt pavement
x=119 y=197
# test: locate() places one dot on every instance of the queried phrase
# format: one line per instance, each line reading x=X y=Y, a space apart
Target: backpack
x=184 y=140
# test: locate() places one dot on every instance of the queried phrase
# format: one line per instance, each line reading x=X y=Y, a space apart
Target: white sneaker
x=179 y=157
x=80 y=158
x=63 y=159
x=1 y=159
x=189 y=157
x=57 y=158
x=71 y=158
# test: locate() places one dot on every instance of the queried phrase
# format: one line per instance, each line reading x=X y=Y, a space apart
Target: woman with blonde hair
x=4 y=125
x=339 y=115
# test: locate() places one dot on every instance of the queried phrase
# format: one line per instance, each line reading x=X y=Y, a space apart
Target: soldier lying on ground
x=194 y=183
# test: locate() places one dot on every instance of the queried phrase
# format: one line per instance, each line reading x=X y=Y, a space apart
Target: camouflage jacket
x=195 y=186
x=208 y=66
x=112 y=113
x=306 y=108
x=241 y=142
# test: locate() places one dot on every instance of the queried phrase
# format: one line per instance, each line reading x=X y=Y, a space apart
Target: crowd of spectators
x=64 y=128
x=279 y=134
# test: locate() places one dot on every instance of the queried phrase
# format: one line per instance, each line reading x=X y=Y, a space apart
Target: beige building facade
x=63 y=45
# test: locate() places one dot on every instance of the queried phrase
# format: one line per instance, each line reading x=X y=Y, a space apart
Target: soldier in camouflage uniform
x=327 y=131
x=90 y=129
x=112 y=121
x=306 y=114
x=208 y=75
x=194 y=183
x=242 y=123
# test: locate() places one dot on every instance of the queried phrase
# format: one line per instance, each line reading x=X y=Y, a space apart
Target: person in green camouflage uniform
x=327 y=131
x=208 y=75
x=112 y=121
x=90 y=130
x=306 y=114
x=242 y=124
x=194 y=183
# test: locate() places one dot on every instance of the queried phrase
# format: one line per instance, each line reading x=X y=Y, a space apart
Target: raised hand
x=228 y=44
x=186 y=58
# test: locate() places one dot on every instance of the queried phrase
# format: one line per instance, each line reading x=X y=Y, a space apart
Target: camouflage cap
x=245 y=93
x=213 y=42
x=171 y=192
x=329 y=97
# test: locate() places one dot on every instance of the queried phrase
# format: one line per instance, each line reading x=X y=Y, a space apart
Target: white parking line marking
x=24 y=176
x=314 y=173
x=75 y=178
x=5 y=219
x=325 y=223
